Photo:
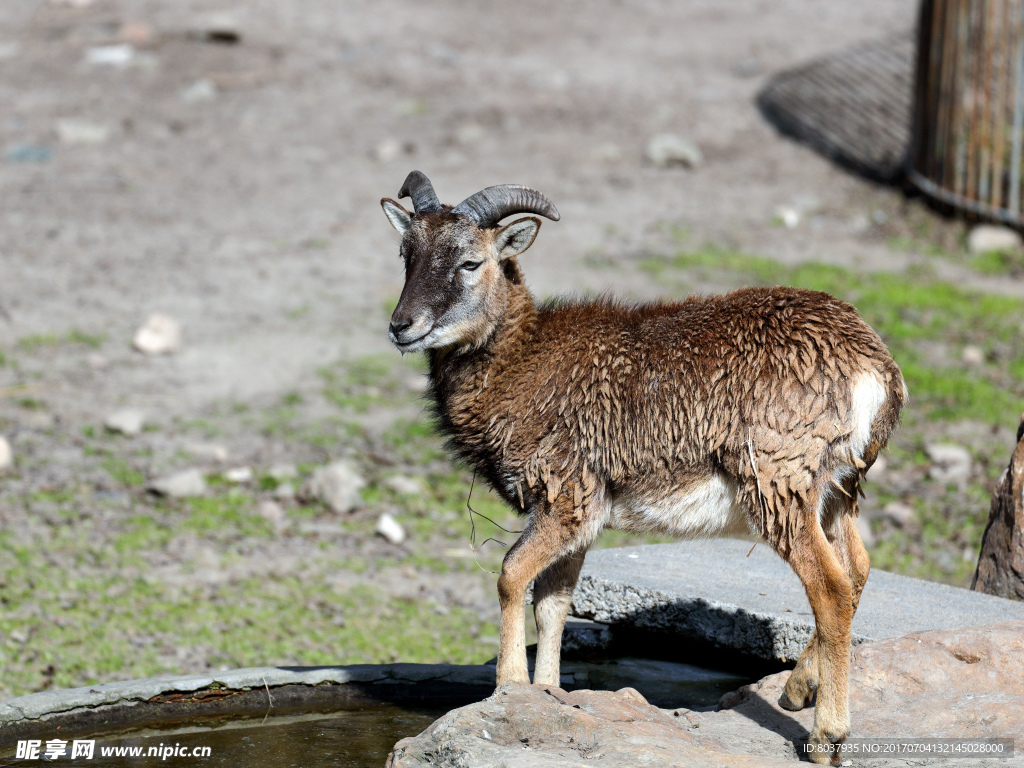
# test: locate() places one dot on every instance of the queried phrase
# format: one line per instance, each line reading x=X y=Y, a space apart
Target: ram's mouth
x=407 y=346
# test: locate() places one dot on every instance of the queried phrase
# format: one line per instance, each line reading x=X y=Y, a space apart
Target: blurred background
x=211 y=456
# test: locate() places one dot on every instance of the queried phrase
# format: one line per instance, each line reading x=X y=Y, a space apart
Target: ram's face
x=455 y=287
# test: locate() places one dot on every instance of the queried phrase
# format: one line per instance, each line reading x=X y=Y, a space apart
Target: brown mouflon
x=754 y=412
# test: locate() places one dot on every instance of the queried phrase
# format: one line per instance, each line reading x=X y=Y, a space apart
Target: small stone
x=238 y=475
x=788 y=215
x=470 y=133
x=608 y=153
x=272 y=511
x=18 y=635
x=973 y=355
x=74 y=131
x=127 y=421
x=73 y=3
x=6 y=454
x=137 y=33
x=210 y=451
x=667 y=150
x=159 y=335
x=388 y=150
x=986 y=238
x=283 y=472
x=200 y=90
x=407 y=486
x=390 y=529
x=284 y=492
x=866 y=534
x=111 y=55
x=97 y=362
x=9 y=50
x=180 y=485
x=217 y=27
x=337 y=485
x=899 y=513
x=950 y=463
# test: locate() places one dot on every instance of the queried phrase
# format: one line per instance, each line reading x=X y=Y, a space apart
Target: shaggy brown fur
x=580 y=396
x=758 y=410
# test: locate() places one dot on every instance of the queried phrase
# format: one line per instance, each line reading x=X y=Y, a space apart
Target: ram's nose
x=396 y=328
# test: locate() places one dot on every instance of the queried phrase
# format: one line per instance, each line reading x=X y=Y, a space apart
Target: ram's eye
x=470 y=266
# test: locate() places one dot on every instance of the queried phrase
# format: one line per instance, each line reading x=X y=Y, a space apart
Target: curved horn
x=418 y=187
x=491 y=205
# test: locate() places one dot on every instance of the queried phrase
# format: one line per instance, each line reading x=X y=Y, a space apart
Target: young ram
x=757 y=411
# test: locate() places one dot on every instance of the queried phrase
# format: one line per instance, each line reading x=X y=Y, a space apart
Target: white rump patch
x=868 y=397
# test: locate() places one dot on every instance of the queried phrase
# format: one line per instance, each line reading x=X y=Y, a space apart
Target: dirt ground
x=237 y=213
x=234 y=186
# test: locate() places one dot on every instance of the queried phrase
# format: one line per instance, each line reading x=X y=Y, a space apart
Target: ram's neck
x=459 y=379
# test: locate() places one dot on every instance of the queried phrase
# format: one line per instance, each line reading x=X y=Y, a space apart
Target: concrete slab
x=711 y=592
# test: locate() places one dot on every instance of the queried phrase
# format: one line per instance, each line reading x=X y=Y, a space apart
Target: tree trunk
x=1001 y=564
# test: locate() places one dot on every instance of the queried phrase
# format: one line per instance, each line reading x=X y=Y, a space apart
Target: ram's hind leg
x=840 y=525
x=549 y=535
x=552 y=594
x=830 y=592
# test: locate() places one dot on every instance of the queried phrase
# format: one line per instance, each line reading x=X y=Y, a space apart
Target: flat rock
x=523 y=725
x=711 y=592
x=180 y=485
x=1001 y=564
x=955 y=684
x=127 y=421
x=337 y=485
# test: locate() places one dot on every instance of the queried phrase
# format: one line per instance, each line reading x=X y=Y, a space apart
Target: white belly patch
x=701 y=509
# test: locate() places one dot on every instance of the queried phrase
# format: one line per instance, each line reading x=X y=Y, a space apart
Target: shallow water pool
x=355 y=738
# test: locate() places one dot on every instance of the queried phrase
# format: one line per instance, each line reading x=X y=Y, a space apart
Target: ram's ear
x=514 y=238
x=399 y=217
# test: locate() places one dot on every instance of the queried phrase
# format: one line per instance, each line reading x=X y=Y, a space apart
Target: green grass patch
x=229 y=514
x=107 y=627
x=999 y=263
x=905 y=309
x=123 y=473
x=39 y=341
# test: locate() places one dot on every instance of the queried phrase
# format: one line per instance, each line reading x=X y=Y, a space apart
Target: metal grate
x=853 y=106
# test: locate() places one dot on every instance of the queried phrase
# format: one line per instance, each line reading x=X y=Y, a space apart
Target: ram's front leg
x=541 y=544
x=552 y=594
